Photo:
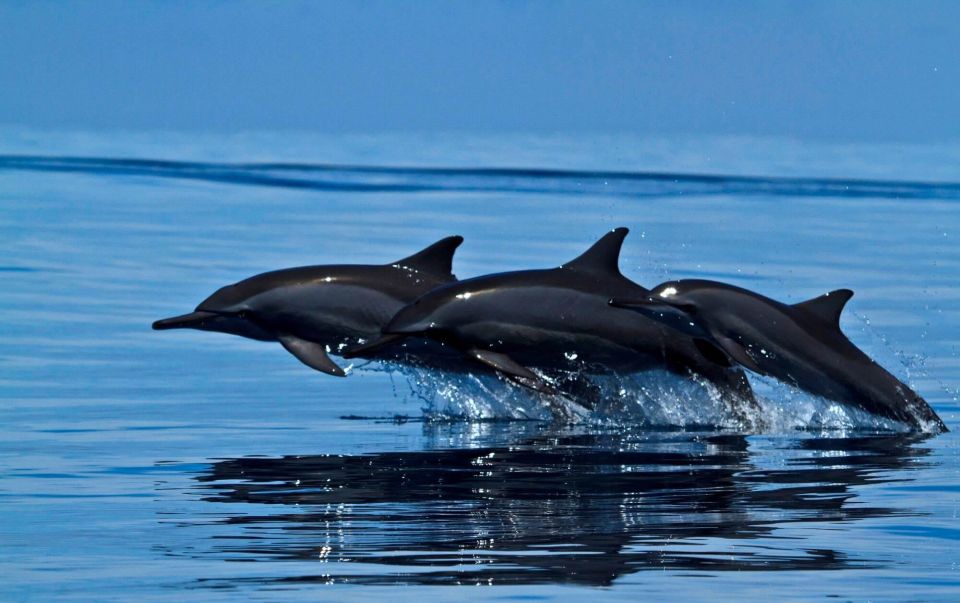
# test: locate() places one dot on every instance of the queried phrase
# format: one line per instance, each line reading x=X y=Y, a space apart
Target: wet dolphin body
x=555 y=319
x=311 y=310
x=801 y=344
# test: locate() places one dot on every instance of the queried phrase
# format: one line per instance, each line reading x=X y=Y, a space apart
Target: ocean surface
x=142 y=465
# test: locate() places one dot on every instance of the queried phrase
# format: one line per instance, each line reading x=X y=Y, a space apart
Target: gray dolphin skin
x=800 y=344
x=556 y=319
x=312 y=310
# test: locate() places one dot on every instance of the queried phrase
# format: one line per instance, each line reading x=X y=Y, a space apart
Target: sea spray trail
x=651 y=399
x=379 y=179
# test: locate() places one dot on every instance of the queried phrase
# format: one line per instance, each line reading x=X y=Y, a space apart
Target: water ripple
x=359 y=178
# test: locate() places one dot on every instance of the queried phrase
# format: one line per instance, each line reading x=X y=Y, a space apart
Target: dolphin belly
x=333 y=314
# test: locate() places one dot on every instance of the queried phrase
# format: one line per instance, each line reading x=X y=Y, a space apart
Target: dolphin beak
x=667 y=313
x=640 y=304
x=407 y=322
x=369 y=348
x=656 y=309
x=186 y=321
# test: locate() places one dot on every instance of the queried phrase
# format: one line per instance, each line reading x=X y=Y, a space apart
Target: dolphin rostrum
x=313 y=310
x=800 y=344
x=555 y=319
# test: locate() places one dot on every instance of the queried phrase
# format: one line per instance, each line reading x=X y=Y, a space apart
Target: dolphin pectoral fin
x=312 y=354
x=736 y=392
x=502 y=362
x=736 y=351
x=511 y=368
x=645 y=306
x=711 y=352
x=537 y=385
x=367 y=349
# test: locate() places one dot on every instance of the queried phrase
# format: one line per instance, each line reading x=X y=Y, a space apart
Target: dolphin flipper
x=739 y=353
x=712 y=352
x=736 y=392
x=728 y=350
x=312 y=354
x=511 y=368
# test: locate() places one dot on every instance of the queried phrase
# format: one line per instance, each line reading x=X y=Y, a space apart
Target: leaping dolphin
x=313 y=310
x=801 y=344
x=555 y=319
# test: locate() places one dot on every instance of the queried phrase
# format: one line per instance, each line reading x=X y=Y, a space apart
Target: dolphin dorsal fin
x=603 y=257
x=436 y=259
x=827 y=307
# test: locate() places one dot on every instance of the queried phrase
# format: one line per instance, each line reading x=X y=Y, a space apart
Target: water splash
x=785 y=408
x=651 y=399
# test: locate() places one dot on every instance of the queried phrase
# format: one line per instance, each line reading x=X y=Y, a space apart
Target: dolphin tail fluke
x=437 y=259
x=312 y=354
x=512 y=369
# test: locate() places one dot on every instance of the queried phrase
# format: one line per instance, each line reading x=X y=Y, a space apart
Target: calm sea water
x=145 y=465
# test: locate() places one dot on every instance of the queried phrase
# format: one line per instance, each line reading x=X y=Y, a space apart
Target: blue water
x=145 y=465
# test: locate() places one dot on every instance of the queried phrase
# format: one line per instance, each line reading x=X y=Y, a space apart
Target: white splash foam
x=655 y=399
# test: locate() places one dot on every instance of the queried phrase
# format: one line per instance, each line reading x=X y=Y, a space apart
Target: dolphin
x=556 y=318
x=800 y=344
x=312 y=310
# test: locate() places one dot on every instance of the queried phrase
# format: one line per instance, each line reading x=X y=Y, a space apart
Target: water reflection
x=539 y=507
